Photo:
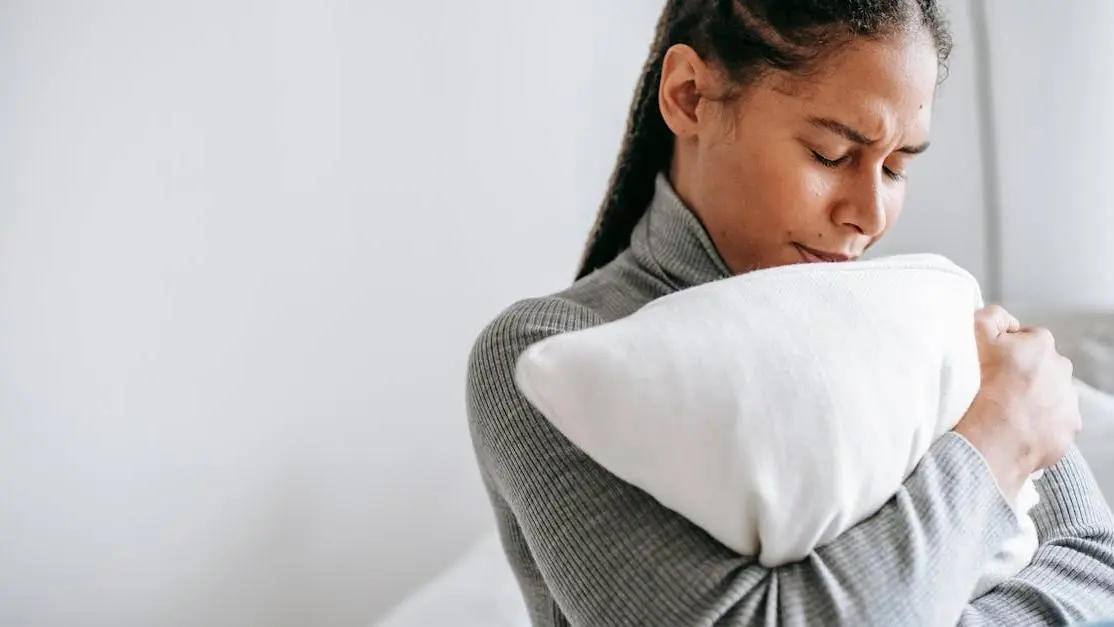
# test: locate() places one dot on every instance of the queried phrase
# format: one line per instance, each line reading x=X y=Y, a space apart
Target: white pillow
x=778 y=408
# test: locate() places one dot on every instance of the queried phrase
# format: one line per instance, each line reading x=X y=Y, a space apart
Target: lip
x=811 y=255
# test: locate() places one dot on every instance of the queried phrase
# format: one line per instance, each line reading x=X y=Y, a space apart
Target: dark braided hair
x=746 y=38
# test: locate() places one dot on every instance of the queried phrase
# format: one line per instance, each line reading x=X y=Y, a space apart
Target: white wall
x=244 y=249
x=1053 y=90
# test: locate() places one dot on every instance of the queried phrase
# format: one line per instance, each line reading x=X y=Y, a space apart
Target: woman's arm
x=1071 y=577
x=610 y=554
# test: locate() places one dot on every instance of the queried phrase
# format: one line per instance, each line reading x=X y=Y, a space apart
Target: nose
x=863 y=206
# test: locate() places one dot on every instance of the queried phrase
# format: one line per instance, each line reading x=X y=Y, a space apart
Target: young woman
x=764 y=133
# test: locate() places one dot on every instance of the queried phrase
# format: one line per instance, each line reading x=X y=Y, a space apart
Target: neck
x=671 y=243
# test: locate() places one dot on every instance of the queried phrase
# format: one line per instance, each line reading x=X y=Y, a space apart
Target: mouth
x=811 y=255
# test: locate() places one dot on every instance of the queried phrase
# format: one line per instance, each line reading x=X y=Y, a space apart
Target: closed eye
x=891 y=174
x=829 y=163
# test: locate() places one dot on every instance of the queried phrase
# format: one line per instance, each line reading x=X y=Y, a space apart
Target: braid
x=646 y=150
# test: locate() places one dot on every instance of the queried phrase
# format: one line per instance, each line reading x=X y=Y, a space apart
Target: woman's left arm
x=1071 y=577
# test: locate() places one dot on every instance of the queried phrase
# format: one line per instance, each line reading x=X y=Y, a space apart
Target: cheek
x=817 y=186
x=797 y=196
x=893 y=210
x=764 y=191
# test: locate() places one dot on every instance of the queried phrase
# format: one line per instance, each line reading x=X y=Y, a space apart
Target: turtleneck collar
x=671 y=243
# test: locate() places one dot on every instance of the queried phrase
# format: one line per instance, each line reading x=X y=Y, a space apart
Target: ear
x=685 y=81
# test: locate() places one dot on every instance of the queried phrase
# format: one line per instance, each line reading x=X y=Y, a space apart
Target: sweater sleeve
x=1071 y=577
x=610 y=554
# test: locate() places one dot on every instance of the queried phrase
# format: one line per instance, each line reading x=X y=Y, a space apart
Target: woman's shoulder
x=491 y=387
x=525 y=322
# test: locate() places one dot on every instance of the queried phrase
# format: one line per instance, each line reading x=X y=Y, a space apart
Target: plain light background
x=1053 y=97
x=245 y=247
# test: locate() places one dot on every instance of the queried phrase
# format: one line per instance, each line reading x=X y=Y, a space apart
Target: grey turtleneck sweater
x=589 y=549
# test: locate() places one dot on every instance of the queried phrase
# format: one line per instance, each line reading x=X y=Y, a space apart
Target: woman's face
x=800 y=169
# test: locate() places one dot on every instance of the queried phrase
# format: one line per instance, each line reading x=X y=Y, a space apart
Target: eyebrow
x=851 y=134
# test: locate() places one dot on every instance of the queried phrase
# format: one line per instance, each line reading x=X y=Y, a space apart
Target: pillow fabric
x=778 y=408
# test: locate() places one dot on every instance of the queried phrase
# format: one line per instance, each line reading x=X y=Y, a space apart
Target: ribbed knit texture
x=589 y=549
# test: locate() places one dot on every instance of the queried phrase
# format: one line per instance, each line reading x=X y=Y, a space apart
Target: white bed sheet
x=1096 y=442
x=478 y=590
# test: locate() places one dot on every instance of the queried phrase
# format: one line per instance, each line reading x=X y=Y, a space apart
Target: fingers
x=1077 y=411
x=993 y=321
x=1038 y=337
x=1067 y=366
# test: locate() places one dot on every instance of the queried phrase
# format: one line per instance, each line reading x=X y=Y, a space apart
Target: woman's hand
x=1025 y=416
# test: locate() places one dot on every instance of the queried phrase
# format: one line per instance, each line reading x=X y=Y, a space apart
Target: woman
x=765 y=133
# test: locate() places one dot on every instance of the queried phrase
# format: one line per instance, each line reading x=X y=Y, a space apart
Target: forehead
x=881 y=87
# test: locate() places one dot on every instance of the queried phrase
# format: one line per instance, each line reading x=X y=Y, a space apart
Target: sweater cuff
x=982 y=492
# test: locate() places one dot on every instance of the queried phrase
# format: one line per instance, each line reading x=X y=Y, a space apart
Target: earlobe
x=679 y=93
